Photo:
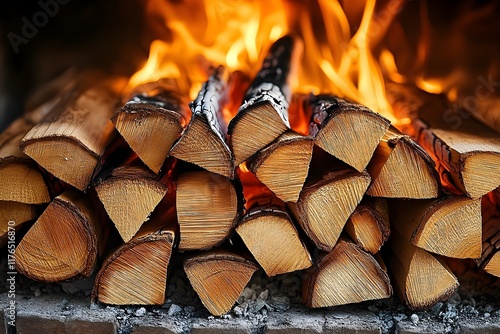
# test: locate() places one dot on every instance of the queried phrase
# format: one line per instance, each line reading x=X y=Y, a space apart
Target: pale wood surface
x=219 y=277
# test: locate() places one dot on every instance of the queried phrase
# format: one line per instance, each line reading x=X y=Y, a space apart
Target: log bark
x=69 y=142
x=219 y=277
x=152 y=121
x=263 y=116
x=368 y=226
x=402 y=169
x=345 y=275
x=70 y=231
x=449 y=226
x=136 y=272
x=420 y=279
x=203 y=142
x=284 y=164
x=130 y=194
x=348 y=131
x=467 y=149
x=208 y=208
x=325 y=205
x=268 y=231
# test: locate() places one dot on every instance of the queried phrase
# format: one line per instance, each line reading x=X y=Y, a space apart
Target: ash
x=477 y=300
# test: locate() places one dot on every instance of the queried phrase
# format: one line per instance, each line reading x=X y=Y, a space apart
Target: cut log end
x=136 y=274
x=274 y=242
x=218 y=278
x=324 y=207
x=208 y=206
x=63 y=157
x=283 y=166
x=368 y=225
x=452 y=229
x=149 y=132
x=352 y=136
x=492 y=267
x=254 y=128
x=203 y=147
x=346 y=275
x=400 y=169
x=22 y=182
x=67 y=231
x=480 y=173
x=129 y=197
x=13 y=215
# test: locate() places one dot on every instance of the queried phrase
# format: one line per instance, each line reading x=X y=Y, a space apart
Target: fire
x=194 y=36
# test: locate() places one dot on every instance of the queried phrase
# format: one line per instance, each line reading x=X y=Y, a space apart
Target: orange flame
x=199 y=34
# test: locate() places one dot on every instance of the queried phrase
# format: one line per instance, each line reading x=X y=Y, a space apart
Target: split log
x=70 y=231
x=348 y=131
x=21 y=179
x=325 y=205
x=420 y=279
x=368 y=226
x=203 y=142
x=71 y=139
x=136 y=272
x=402 y=169
x=268 y=231
x=219 y=277
x=263 y=115
x=469 y=150
x=345 y=275
x=208 y=208
x=490 y=257
x=284 y=164
x=151 y=122
x=129 y=195
x=449 y=226
x=13 y=215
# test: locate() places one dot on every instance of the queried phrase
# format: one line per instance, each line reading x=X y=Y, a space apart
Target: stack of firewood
x=121 y=189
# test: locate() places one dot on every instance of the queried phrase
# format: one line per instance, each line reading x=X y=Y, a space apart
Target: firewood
x=368 y=226
x=325 y=205
x=13 y=215
x=203 y=142
x=420 y=279
x=268 y=231
x=219 y=277
x=208 y=208
x=490 y=257
x=129 y=195
x=70 y=140
x=469 y=150
x=284 y=164
x=402 y=169
x=348 y=131
x=151 y=122
x=263 y=115
x=136 y=272
x=449 y=226
x=63 y=243
x=20 y=177
x=345 y=275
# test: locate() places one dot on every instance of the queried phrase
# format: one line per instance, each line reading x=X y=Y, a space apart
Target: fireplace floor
x=268 y=305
